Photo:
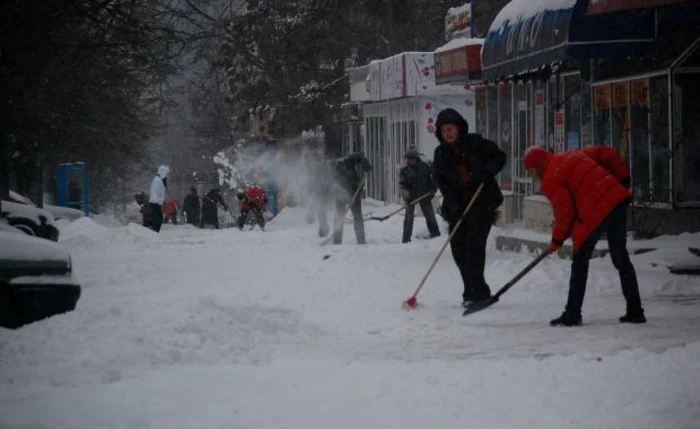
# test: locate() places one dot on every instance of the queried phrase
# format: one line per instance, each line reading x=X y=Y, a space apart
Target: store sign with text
x=459 y=22
x=458 y=65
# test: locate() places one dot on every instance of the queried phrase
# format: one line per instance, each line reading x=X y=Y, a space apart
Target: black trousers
x=260 y=220
x=468 y=247
x=156 y=216
x=614 y=226
x=429 y=213
x=357 y=221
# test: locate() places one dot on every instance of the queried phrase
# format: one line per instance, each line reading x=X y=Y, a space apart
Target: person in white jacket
x=157 y=197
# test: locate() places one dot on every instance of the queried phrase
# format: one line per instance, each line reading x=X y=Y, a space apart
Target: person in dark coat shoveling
x=416 y=180
x=589 y=193
x=461 y=163
x=348 y=174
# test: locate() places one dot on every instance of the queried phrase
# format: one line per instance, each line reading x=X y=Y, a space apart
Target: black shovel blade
x=479 y=305
x=380 y=219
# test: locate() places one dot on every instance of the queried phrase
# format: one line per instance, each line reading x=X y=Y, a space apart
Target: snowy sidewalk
x=230 y=329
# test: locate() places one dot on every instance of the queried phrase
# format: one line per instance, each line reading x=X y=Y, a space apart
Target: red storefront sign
x=458 y=65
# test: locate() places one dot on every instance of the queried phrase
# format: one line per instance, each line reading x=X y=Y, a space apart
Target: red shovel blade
x=410 y=303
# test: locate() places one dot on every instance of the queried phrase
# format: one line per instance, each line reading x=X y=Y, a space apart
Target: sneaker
x=634 y=317
x=566 y=320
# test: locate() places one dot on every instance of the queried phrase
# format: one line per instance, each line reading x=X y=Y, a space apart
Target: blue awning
x=530 y=35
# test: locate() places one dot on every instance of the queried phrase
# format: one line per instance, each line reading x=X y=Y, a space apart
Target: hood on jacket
x=163 y=171
x=535 y=157
x=450 y=116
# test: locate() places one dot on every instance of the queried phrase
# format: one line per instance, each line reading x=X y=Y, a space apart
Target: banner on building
x=459 y=64
x=601 y=97
x=640 y=93
x=620 y=95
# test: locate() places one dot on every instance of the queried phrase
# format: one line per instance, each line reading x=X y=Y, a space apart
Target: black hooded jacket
x=483 y=160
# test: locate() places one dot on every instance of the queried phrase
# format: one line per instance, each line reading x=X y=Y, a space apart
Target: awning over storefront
x=529 y=35
x=609 y=6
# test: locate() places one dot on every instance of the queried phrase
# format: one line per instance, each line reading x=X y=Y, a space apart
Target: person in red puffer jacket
x=253 y=198
x=589 y=193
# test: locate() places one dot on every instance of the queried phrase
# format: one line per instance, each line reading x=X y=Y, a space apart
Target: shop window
x=686 y=112
x=640 y=140
x=505 y=133
x=551 y=115
x=601 y=115
x=619 y=117
x=492 y=105
x=660 y=181
x=481 y=111
x=540 y=114
x=572 y=112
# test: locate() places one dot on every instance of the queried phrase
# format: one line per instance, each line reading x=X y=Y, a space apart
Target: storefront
x=574 y=75
x=403 y=105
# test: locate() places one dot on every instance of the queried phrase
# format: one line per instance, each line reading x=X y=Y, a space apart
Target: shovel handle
x=521 y=274
x=449 y=238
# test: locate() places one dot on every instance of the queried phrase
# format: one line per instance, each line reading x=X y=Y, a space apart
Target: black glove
x=240 y=196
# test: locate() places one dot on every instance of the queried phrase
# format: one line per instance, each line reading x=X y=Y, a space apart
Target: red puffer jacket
x=255 y=194
x=583 y=187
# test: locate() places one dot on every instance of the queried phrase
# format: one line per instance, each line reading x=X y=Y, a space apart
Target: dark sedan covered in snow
x=36 y=279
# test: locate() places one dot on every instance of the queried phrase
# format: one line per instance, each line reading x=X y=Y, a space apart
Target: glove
x=553 y=247
x=626 y=182
x=240 y=196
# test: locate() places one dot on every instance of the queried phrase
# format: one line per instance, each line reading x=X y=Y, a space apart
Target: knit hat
x=535 y=157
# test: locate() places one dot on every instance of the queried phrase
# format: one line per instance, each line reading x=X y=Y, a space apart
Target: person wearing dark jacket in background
x=416 y=180
x=210 y=212
x=348 y=174
x=191 y=207
x=589 y=193
x=461 y=163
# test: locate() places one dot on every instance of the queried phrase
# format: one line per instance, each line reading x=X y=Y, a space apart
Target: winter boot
x=634 y=317
x=566 y=319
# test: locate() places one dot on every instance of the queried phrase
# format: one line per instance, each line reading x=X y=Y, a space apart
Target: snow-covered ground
x=228 y=329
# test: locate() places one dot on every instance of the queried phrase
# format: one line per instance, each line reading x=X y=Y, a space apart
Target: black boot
x=566 y=320
x=634 y=317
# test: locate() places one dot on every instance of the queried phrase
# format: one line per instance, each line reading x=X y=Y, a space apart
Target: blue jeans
x=614 y=226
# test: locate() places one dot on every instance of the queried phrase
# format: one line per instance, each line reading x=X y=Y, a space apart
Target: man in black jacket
x=210 y=211
x=348 y=175
x=416 y=180
x=461 y=163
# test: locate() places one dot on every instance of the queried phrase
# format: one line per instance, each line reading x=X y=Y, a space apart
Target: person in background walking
x=416 y=180
x=463 y=161
x=348 y=174
x=191 y=208
x=589 y=193
x=159 y=185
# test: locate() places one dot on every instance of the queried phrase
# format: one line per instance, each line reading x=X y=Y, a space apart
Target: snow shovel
x=383 y=218
x=480 y=305
x=347 y=207
x=412 y=302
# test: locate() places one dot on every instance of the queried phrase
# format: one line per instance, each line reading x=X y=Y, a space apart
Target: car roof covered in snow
x=25 y=211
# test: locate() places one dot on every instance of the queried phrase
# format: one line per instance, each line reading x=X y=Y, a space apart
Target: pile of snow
x=86 y=235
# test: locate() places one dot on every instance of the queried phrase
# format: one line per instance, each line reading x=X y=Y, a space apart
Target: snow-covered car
x=32 y=220
x=67 y=213
x=36 y=279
